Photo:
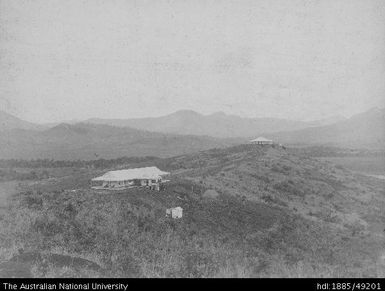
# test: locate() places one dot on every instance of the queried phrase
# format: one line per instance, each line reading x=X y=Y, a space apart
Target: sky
x=298 y=59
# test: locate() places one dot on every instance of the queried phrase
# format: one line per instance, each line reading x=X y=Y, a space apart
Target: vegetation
x=49 y=163
x=330 y=151
x=11 y=174
x=304 y=219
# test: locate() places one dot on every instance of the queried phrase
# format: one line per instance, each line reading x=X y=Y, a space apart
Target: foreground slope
x=347 y=208
x=314 y=189
x=268 y=213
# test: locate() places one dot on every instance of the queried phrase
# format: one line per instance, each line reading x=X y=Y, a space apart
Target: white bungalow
x=261 y=141
x=138 y=177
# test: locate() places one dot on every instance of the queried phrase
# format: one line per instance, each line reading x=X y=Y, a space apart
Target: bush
x=288 y=188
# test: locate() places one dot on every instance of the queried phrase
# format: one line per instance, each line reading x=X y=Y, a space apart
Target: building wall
x=177 y=212
x=263 y=142
x=135 y=182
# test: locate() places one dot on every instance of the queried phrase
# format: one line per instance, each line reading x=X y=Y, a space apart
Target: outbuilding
x=176 y=212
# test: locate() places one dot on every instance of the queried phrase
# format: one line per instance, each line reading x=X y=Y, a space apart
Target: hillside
x=216 y=125
x=9 y=122
x=327 y=121
x=315 y=190
x=362 y=130
x=90 y=141
x=268 y=213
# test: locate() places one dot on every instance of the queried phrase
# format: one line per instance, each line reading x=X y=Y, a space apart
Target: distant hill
x=216 y=125
x=327 y=121
x=91 y=141
x=9 y=122
x=362 y=130
x=178 y=133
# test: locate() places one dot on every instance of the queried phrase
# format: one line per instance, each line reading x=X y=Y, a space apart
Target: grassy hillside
x=274 y=213
x=364 y=161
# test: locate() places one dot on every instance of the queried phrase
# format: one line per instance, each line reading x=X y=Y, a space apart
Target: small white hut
x=176 y=212
x=261 y=141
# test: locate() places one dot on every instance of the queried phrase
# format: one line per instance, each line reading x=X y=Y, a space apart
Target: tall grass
x=125 y=244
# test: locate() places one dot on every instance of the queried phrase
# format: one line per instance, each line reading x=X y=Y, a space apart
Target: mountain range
x=218 y=124
x=178 y=133
x=92 y=141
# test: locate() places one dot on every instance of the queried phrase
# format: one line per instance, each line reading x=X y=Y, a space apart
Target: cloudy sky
x=75 y=59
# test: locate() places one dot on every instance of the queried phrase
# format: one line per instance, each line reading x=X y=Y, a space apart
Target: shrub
x=288 y=188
